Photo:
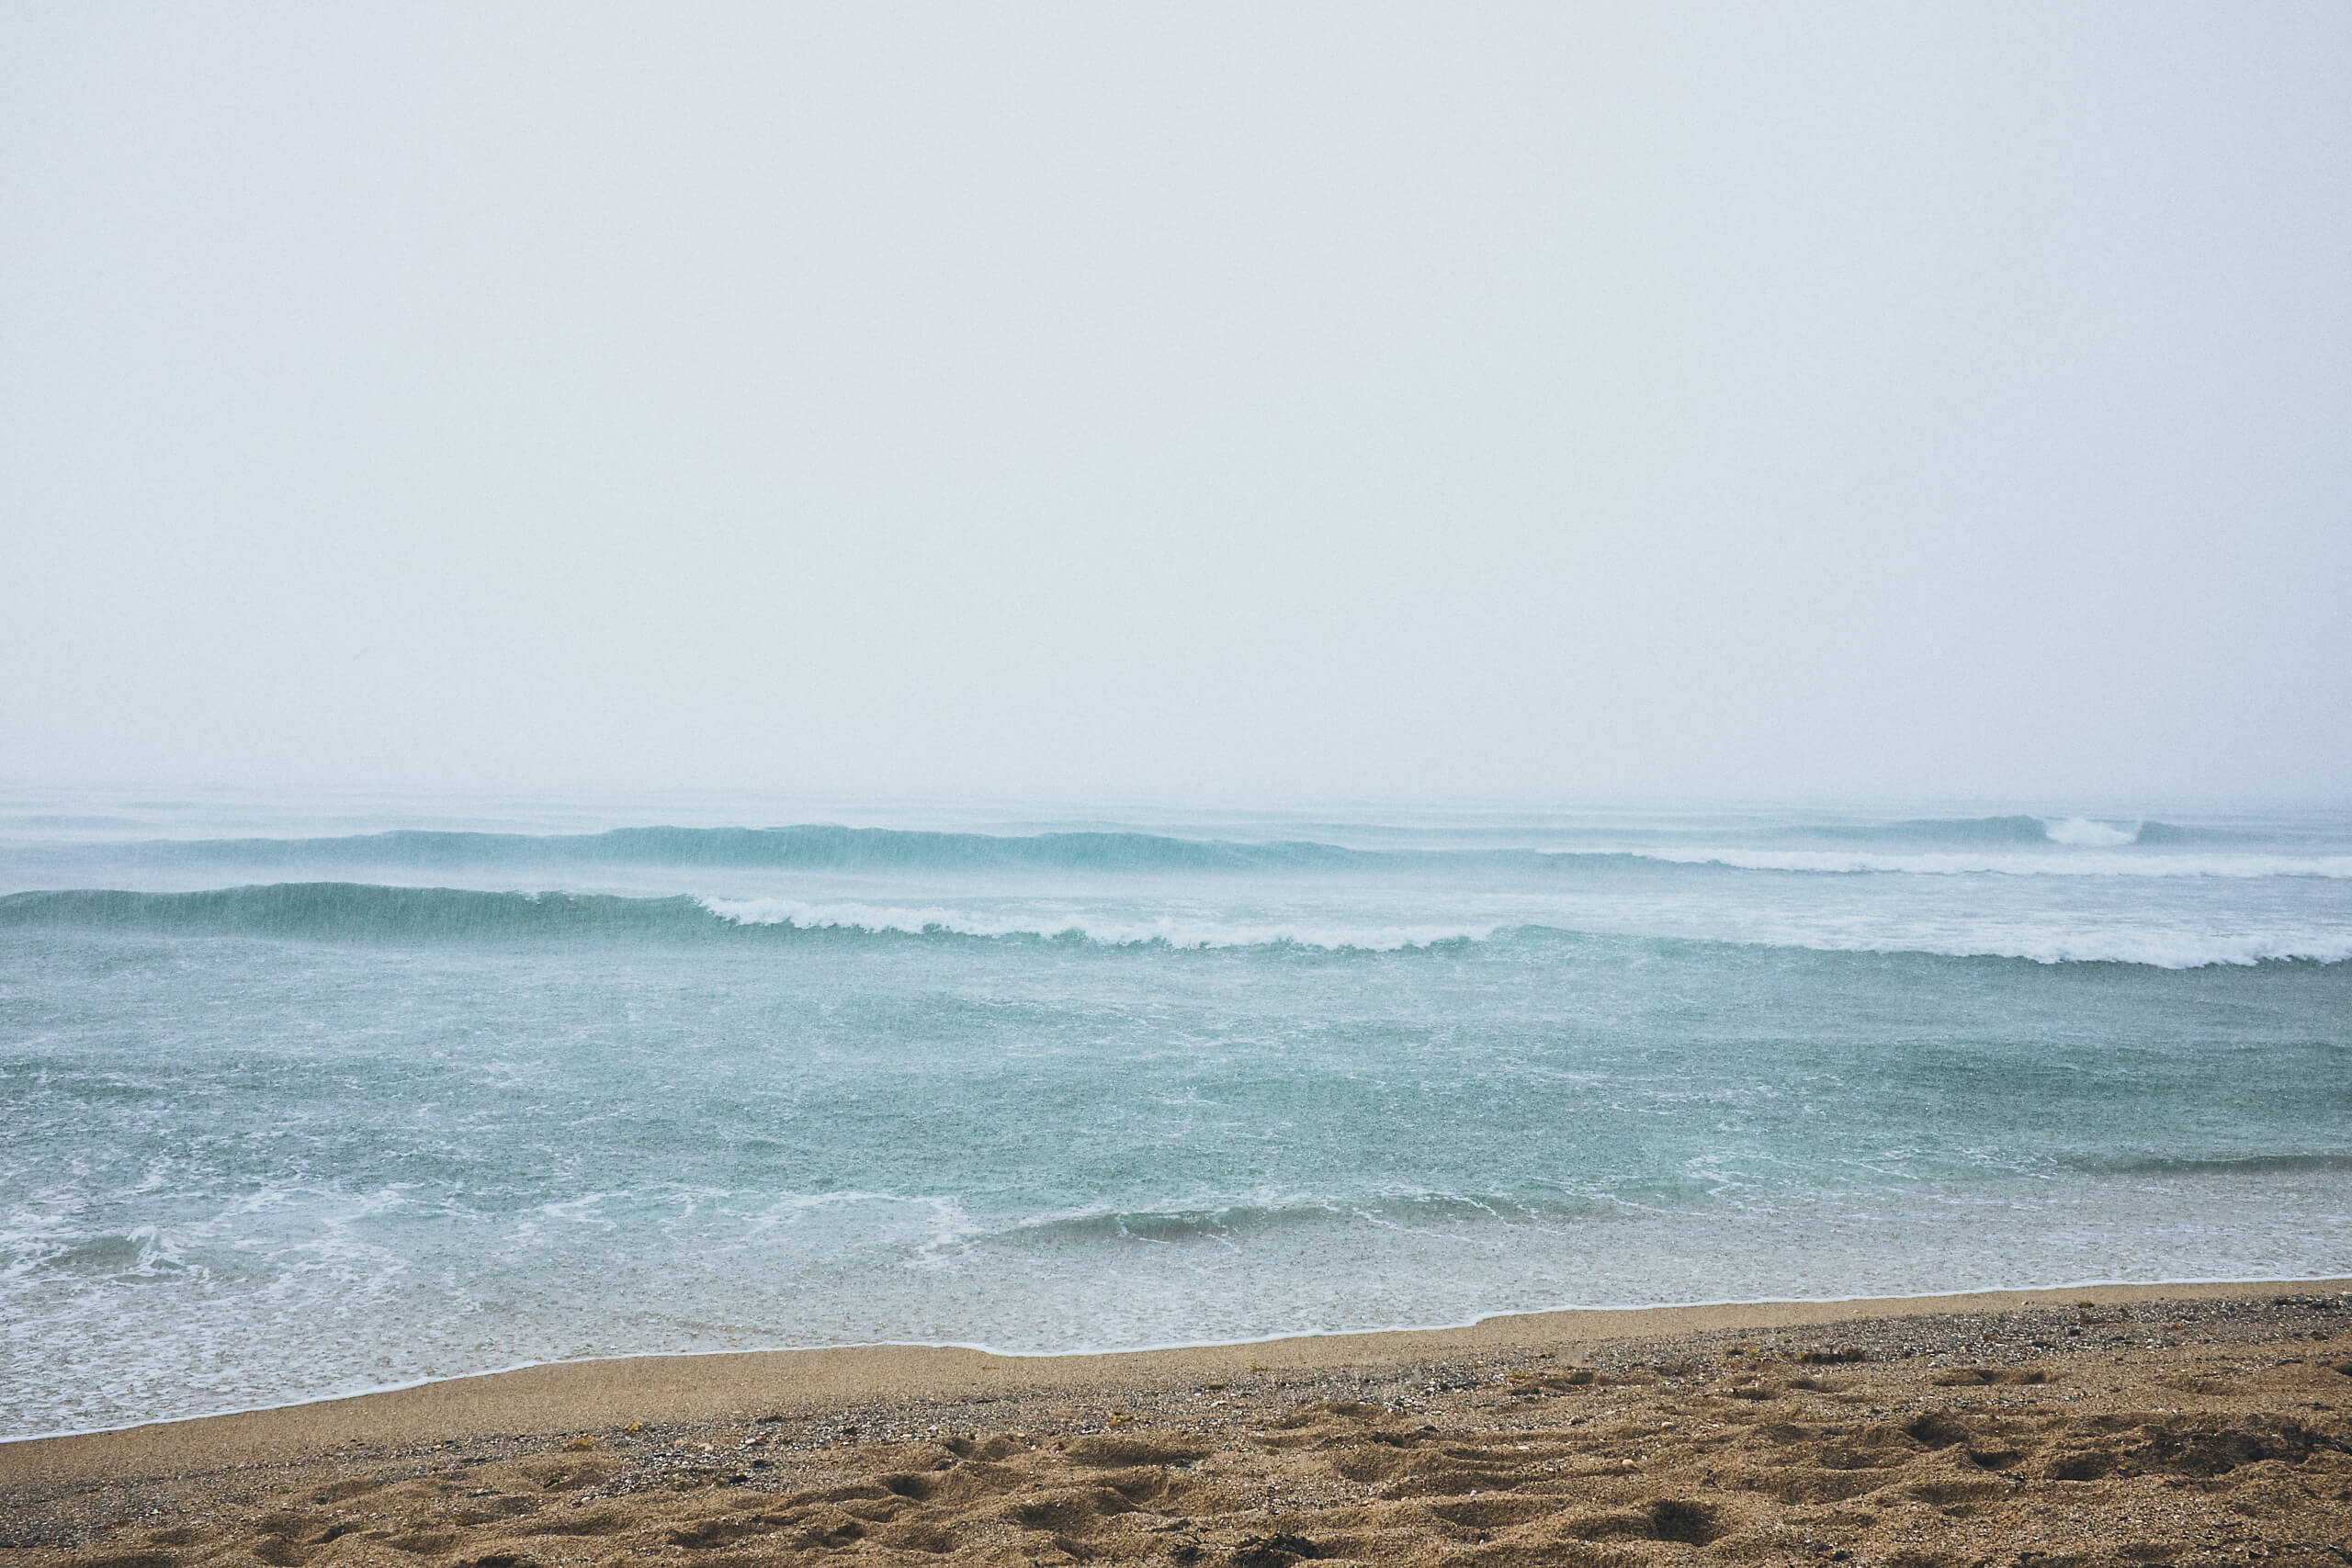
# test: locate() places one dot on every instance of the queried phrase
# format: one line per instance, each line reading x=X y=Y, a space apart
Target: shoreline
x=2204 y=1424
x=2084 y=1290
x=1890 y=1304
x=704 y=1385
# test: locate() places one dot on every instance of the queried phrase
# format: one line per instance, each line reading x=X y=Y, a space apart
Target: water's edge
x=1622 y=1322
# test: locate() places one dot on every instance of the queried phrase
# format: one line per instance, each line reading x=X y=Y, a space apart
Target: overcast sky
x=1547 y=400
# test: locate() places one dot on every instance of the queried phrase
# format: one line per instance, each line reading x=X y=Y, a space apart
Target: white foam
x=2046 y=942
x=2159 y=949
x=2084 y=834
x=1110 y=931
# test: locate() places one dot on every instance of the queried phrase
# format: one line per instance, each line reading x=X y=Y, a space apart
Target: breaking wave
x=2079 y=832
x=1164 y=930
x=341 y=911
x=2082 y=832
x=365 y=911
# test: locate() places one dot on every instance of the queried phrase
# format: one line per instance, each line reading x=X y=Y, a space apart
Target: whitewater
x=308 y=1096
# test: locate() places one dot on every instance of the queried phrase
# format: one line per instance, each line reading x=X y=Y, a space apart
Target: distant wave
x=2032 y=846
x=2014 y=829
x=818 y=847
x=341 y=911
x=359 y=911
x=1958 y=863
x=2079 y=832
x=366 y=911
x=2160 y=833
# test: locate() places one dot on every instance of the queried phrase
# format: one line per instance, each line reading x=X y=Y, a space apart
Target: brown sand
x=2115 y=1426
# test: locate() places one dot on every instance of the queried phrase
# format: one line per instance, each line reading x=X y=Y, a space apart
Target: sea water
x=302 y=1099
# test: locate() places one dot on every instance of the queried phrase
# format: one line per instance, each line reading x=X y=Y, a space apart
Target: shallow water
x=299 y=1112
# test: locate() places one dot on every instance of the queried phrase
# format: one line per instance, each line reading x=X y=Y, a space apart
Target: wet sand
x=2177 y=1424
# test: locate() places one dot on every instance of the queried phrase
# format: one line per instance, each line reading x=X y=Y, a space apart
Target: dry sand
x=2116 y=1426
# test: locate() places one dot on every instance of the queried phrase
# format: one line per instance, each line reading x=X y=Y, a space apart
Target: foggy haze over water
x=1081 y=677
x=1246 y=402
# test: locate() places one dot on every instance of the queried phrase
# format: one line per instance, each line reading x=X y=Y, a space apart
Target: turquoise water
x=295 y=1108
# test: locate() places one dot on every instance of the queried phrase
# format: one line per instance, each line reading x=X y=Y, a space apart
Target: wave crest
x=364 y=913
x=1166 y=931
x=2018 y=844
x=811 y=847
x=1955 y=864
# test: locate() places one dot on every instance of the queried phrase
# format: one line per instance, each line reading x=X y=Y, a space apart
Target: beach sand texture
x=2187 y=1425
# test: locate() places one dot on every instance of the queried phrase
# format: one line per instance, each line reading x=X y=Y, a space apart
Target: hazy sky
x=1542 y=401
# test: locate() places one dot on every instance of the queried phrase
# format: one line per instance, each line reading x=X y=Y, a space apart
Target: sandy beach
x=1020 y=784
x=2180 y=1423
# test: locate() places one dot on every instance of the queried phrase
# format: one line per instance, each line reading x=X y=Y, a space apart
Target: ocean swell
x=1955 y=864
x=369 y=913
x=356 y=911
x=1997 y=845
x=366 y=911
x=816 y=847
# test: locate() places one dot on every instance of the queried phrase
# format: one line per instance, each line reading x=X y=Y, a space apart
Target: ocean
x=304 y=1098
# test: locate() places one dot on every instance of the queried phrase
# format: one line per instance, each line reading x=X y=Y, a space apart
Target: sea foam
x=1111 y=931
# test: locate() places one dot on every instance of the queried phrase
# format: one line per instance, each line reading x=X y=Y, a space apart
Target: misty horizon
x=798 y=685
x=1230 y=404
